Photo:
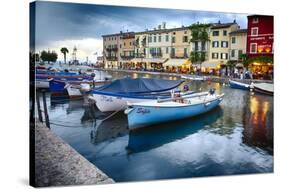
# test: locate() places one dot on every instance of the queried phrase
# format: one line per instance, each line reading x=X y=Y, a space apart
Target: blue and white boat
x=239 y=85
x=114 y=96
x=142 y=114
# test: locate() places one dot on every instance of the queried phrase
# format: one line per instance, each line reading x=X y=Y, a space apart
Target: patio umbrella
x=239 y=65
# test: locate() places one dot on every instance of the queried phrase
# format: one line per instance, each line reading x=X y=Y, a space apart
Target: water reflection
x=258 y=124
x=158 y=135
x=114 y=127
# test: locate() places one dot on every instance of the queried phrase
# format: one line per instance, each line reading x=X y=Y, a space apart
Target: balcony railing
x=112 y=49
x=139 y=55
x=111 y=58
x=127 y=57
x=156 y=55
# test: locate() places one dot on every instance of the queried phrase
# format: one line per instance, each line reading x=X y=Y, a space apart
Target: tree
x=199 y=35
x=64 y=50
x=49 y=56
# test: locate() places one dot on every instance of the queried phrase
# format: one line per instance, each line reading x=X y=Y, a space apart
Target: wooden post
x=38 y=106
x=46 y=110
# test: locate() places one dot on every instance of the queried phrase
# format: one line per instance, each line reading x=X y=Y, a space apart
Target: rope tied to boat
x=115 y=112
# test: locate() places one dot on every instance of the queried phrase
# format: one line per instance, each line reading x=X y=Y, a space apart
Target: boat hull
x=42 y=84
x=143 y=116
x=238 y=85
x=262 y=91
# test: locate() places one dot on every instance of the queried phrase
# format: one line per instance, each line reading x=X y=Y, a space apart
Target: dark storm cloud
x=67 y=21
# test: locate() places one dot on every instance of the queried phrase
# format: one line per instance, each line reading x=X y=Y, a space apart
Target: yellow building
x=111 y=51
x=127 y=50
x=219 y=47
x=238 y=44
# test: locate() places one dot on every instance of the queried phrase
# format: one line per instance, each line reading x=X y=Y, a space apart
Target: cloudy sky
x=70 y=24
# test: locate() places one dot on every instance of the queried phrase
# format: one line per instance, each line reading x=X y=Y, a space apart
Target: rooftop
x=222 y=25
x=240 y=31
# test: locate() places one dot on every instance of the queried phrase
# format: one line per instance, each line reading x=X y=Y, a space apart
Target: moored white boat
x=263 y=88
x=114 y=97
x=147 y=113
x=195 y=77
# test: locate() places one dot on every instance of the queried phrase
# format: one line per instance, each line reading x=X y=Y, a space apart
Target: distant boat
x=195 y=77
x=239 y=85
x=263 y=88
x=76 y=90
x=114 y=97
x=147 y=113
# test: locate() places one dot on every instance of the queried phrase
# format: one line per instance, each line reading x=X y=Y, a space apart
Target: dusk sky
x=68 y=24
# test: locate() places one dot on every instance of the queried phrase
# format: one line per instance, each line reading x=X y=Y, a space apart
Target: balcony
x=140 y=55
x=112 y=49
x=111 y=58
x=127 y=57
x=156 y=55
x=179 y=56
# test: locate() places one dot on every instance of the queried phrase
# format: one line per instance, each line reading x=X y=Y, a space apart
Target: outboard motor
x=212 y=91
x=93 y=75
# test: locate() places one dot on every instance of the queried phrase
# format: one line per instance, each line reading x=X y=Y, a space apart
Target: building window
x=174 y=33
x=155 y=39
x=203 y=45
x=159 y=38
x=196 y=46
x=149 y=39
x=224 y=44
x=173 y=52
x=167 y=50
x=124 y=44
x=255 y=20
x=185 y=51
x=185 y=39
x=253 y=48
x=215 y=55
x=167 y=38
x=232 y=53
x=215 y=44
x=254 y=31
x=240 y=52
x=120 y=46
x=185 y=32
x=224 y=33
x=173 y=39
x=216 y=33
x=224 y=56
x=233 y=40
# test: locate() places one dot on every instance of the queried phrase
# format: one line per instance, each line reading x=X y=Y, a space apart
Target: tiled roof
x=239 y=31
x=224 y=25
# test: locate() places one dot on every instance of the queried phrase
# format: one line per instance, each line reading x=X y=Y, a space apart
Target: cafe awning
x=177 y=62
x=211 y=64
x=154 y=60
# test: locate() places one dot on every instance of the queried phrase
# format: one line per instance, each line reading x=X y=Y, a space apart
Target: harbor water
x=235 y=138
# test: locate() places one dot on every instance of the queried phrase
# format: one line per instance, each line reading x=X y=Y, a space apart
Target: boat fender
x=128 y=110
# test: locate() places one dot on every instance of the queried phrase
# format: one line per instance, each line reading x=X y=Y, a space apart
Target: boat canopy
x=139 y=85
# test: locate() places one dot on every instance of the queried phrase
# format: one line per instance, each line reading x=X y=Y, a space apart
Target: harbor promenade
x=212 y=78
x=58 y=164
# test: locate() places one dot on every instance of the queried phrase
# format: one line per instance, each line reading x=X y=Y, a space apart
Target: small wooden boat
x=114 y=97
x=239 y=85
x=263 y=88
x=77 y=89
x=147 y=113
x=195 y=77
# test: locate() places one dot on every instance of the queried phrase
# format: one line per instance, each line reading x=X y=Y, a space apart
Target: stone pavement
x=58 y=164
